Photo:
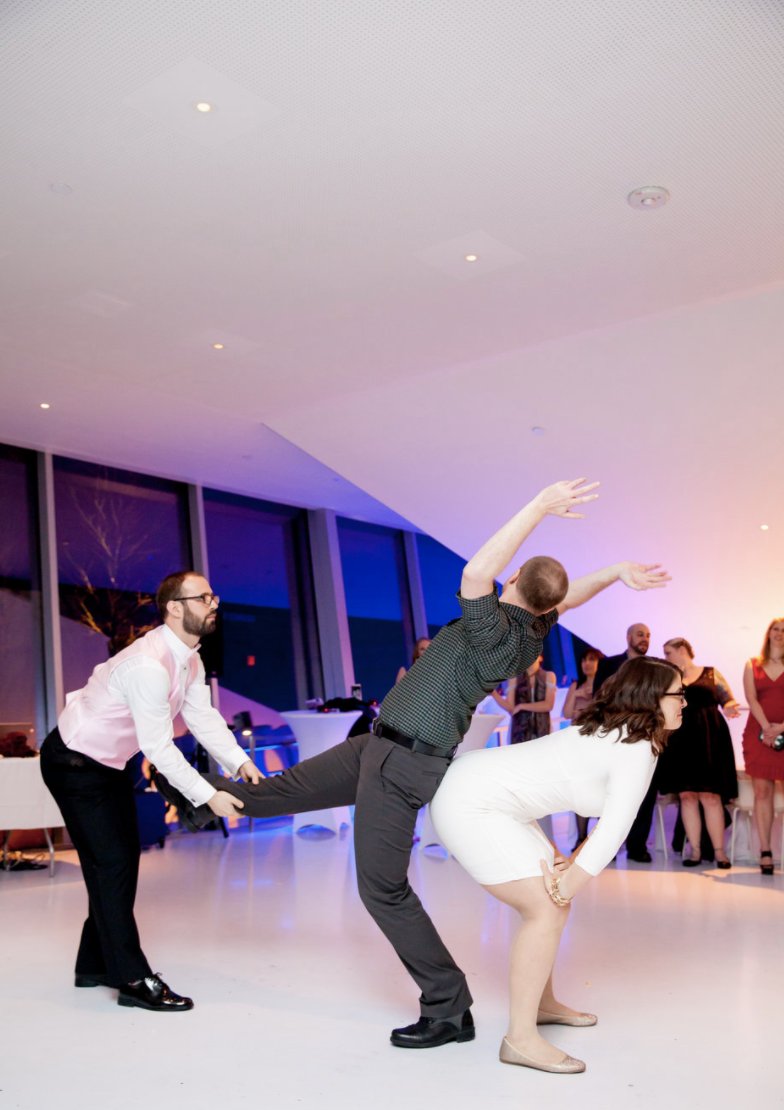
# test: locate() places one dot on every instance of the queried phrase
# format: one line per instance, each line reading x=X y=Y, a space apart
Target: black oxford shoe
x=432 y=1032
x=90 y=980
x=640 y=857
x=151 y=993
x=192 y=817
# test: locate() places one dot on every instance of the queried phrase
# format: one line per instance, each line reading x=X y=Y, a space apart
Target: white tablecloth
x=316 y=733
x=25 y=802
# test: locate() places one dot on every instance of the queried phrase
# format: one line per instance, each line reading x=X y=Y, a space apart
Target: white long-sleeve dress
x=486 y=809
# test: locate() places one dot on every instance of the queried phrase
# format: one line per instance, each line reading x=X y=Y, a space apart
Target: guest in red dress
x=763 y=683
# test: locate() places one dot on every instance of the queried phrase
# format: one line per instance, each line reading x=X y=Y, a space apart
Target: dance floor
x=296 y=991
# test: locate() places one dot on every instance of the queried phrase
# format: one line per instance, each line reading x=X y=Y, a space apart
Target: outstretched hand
x=561 y=498
x=642 y=576
x=224 y=804
x=249 y=772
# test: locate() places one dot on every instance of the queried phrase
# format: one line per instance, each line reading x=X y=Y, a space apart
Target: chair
x=662 y=801
x=743 y=807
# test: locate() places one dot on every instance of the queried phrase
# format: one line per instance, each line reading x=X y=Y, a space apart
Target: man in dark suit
x=638 y=640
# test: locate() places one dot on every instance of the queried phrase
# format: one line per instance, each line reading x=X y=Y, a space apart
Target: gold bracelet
x=555 y=892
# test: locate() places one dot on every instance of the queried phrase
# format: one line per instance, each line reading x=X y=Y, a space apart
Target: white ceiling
x=316 y=223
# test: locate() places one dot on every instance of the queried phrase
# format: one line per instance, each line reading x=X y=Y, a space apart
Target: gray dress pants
x=388 y=784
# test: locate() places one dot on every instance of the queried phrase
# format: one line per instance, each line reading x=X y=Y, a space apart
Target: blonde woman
x=763 y=685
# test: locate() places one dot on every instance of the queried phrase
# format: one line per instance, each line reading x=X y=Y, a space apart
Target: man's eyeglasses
x=205 y=599
x=676 y=694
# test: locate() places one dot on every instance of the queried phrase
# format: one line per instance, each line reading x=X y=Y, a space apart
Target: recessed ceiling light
x=60 y=188
x=44 y=405
x=203 y=106
x=764 y=527
x=472 y=258
x=648 y=196
x=217 y=346
x=537 y=430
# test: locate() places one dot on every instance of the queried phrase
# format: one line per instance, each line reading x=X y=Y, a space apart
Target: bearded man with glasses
x=129 y=705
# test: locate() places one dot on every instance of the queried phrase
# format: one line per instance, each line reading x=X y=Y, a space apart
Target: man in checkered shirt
x=390 y=774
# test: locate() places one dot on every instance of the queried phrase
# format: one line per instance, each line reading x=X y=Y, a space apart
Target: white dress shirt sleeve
x=630 y=775
x=144 y=684
x=209 y=728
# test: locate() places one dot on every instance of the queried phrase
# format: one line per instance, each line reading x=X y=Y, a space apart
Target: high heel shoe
x=508 y=1054
x=766 y=863
x=545 y=1018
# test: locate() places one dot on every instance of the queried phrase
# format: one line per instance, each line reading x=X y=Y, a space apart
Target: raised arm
x=506 y=703
x=560 y=499
x=637 y=576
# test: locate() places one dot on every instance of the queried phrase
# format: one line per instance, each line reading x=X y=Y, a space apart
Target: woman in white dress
x=486 y=813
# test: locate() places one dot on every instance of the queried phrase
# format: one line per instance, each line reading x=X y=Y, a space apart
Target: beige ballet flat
x=543 y=1018
x=508 y=1054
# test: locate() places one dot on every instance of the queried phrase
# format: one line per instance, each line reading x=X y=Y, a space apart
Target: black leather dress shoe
x=432 y=1032
x=151 y=993
x=90 y=980
x=194 y=818
x=640 y=857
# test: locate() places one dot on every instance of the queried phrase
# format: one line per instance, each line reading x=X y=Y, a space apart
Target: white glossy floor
x=296 y=991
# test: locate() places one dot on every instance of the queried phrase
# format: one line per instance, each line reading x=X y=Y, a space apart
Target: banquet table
x=315 y=733
x=25 y=802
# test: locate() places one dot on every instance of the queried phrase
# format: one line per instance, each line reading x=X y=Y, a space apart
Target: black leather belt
x=388 y=733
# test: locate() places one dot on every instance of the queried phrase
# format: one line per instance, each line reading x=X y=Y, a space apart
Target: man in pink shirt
x=129 y=705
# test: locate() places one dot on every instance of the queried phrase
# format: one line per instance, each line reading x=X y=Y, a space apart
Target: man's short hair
x=542 y=582
x=169 y=589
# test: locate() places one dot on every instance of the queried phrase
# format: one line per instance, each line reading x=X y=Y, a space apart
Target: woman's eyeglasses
x=676 y=694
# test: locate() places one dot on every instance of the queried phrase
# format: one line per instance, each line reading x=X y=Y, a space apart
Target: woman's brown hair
x=631 y=698
x=589 y=653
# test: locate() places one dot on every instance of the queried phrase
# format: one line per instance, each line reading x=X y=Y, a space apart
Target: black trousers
x=637 y=839
x=98 y=806
x=389 y=785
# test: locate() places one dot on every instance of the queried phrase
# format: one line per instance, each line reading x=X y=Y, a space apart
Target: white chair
x=743 y=808
x=660 y=838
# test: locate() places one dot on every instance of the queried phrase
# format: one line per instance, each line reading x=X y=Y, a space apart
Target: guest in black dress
x=699 y=761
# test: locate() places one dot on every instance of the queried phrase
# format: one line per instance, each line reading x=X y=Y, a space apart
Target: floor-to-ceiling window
x=259 y=566
x=440 y=570
x=379 y=616
x=21 y=659
x=118 y=535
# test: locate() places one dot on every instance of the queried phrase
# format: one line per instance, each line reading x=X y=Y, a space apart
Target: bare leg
x=531 y=963
x=763 y=811
x=550 y=1004
x=714 y=822
x=692 y=822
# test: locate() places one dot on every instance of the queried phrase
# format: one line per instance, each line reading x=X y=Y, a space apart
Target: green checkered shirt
x=470 y=656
